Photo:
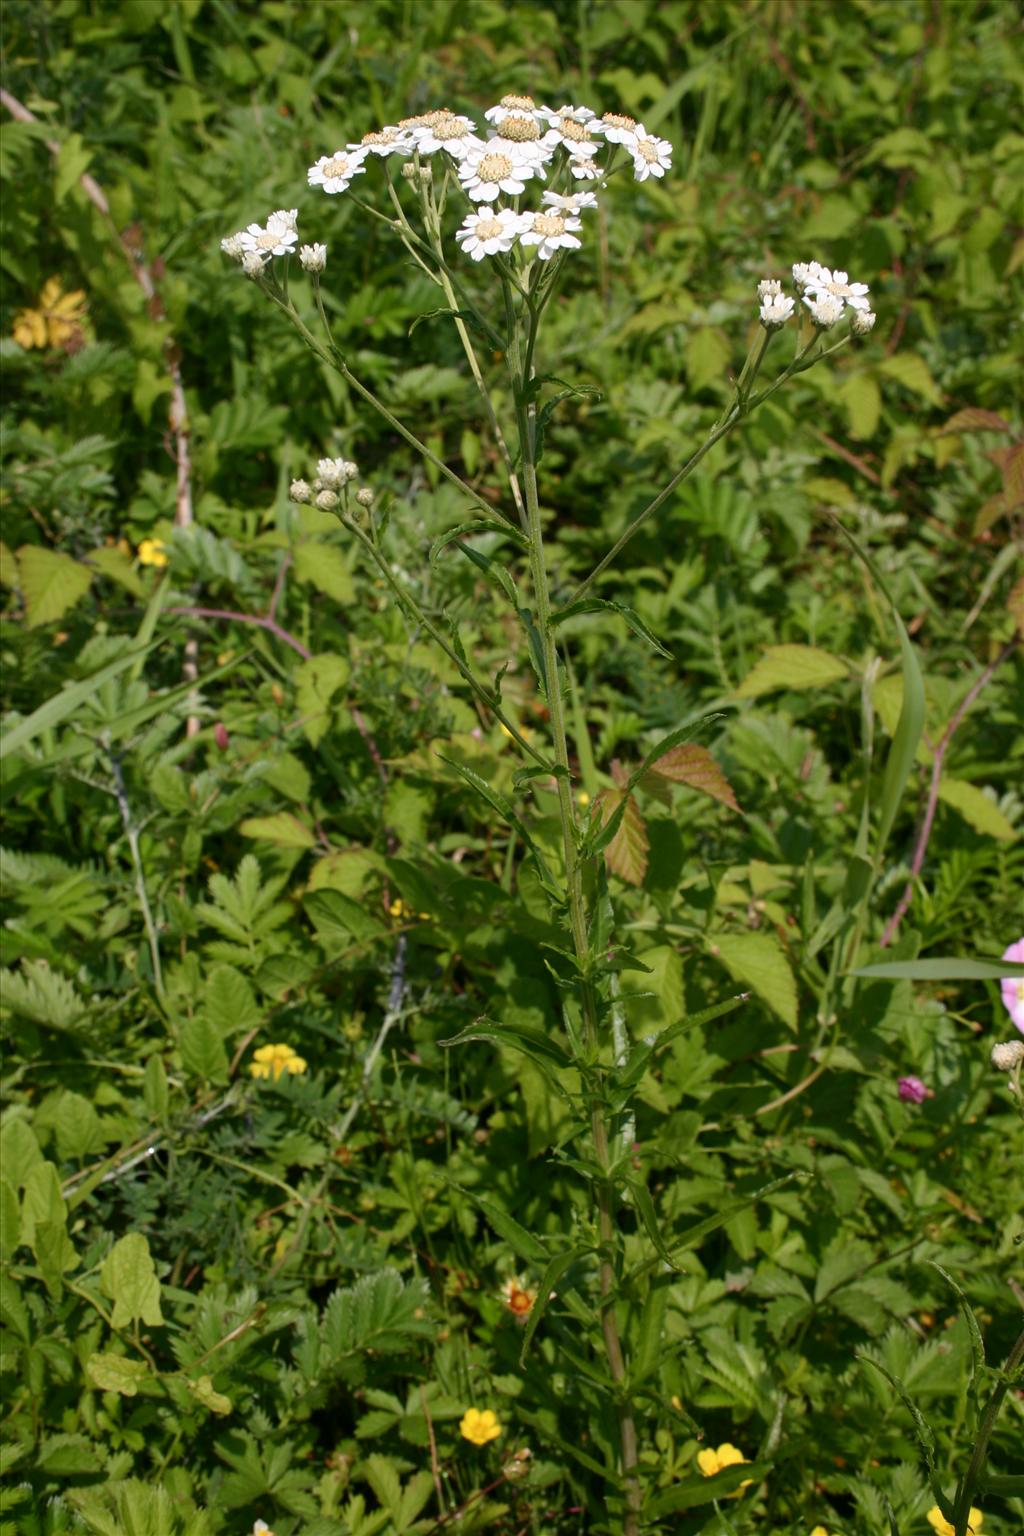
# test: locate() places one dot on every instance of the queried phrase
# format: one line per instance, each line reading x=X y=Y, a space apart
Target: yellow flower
x=272 y=1060
x=57 y=321
x=152 y=552
x=400 y=909
x=479 y=1426
x=819 y=1530
x=941 y=1526
x=582 y=799
x=518 y=1298
x=712 y=1462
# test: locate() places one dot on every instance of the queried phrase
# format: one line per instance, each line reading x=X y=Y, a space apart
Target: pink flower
x=1013 y=986
x=911 y=1090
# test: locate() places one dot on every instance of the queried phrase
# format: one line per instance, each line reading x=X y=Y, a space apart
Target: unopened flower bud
x=233 y=246
x=409 y=172
x=911 y=1090
x=220 y=736
x=364 y=496
x=425 y=173
x=327 y=500
x=299 y=491
x=331 y=471
x=313 y=257
x=252 y=263
x=1008 y=1055
x=862 y=322
x=349 y=470
x=768 y=288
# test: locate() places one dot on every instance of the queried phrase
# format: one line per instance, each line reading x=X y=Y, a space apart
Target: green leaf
x=522 y=1243
x=695 y=1491
x=339 y=920
x=626 y=851
x=67 y=1456
x=324 y=567
x=977 y=809
x=316 y=682
x=129 y=1278
x=19 y=1151
x=115 y=564
x=694 y=766
x=116 y=1373
x=516 y=1037
x=154 y=1087
x=509 y=815
x=50 y=583
x=936 y=969
x=759 y=961
x=545 y=1290
x=701 y=1229
x=282 y=829
x=791 y=666
x=910 y=370
x=707 y=357
x=70 y=166
x=202 y=1049
x=229 y=1002
x=65 y=703
x=41 y=994
x=42 y=1201
x=862 y=398
x=602 y=605
x=478 y=525
x=10 y=1220
x=202 y=1390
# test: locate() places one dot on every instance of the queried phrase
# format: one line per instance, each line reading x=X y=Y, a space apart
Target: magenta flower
x=911 y=1090
x=1013 y=986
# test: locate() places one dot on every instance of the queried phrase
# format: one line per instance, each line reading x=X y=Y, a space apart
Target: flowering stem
x=607 y=1230
x=962 y=1505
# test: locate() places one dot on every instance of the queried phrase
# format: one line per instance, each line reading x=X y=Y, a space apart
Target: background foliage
x=277 y=1299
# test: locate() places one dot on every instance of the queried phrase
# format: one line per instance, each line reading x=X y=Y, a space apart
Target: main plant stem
x=578 y=924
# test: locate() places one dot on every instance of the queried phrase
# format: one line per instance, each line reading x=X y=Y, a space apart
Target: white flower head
x=445 y=130
x=486 y=172
x=233 y=246
x=839 y=286
x=573 y=133
x=651 y=156
x=1008 y=1055
x=276 y=240
x=284 y=218
x=575 y=202
x=252 y=263
x=313 y=257
x=335 y=472
x=583 y=167
x=768 y=288
x=299 y=491
x=551 y=232
x=618 y=129
x=389 y=140
x=490 y=231
x=520 y=135
x=327 y=500
x=335 y=172
x=516 y=106
x=825 y=309
x=807 y=273
x=776 y=309
x=862 y=321
x=567 y=113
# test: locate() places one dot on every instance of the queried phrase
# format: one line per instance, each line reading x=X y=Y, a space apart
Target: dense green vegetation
x=272 y=1248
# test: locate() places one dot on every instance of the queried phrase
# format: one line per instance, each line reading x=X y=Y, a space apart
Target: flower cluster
x=825 y=293
x=332 y=476
x=711 y=1462
x=523 y=146
x=273 y=1060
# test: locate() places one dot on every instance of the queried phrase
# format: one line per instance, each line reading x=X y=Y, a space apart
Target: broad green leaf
x=50 y=583
x=705 y=1490
x=116 y=1373
x=791 y=666
x=39 y=993
x=316 y=682
x=952 y=969
x=759 y=961
x=202 y=1389
x=70 y=166
x=154 y=1087
x=19 y=1151
x=911 y=371
x=694 y=766
x=522 y=1242
x=79 y=1133
x=202 y=1049
x=516 y=1037
x=68 y=1456
x=339 y=920
x=707 y=357
x=282 y=829
x=10 y=1219
x=862 y=399
x=977 y=809
x=42 y=1201
x=324 y=567
x=229 y=1001
x=129 y=1279
x=114 y=563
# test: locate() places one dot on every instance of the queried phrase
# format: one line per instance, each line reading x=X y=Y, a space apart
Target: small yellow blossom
x=152 y=552
x=401 y=909
x=582 y=799
x=941 y=1526
x=518 y=1297
x=56 y=322
x=272 y=1060
x=712 y=1462
x=524 y=731
x=819 y=1530
x=479 y=1426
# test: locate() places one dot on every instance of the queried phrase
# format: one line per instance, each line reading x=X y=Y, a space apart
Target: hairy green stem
x=962 y=1506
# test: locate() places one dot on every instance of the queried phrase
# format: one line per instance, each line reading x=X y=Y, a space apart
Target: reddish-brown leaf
x=626 y=854
x=974 y=419
x=695 y=767
x=1013 y=477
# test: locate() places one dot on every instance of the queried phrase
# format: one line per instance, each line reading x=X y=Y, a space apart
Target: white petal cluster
x=487 y=233
x=328 y=487
x=828 y=293
x=313 y=257
x=335 y=172
x=776 y=309
x=258 y=243
x=551 y=232
x=825 y=309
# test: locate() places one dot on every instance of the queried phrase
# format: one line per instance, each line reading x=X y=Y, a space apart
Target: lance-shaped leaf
x=508 y=813
x=478 y=525
x=694 y=766
x=603 y=605
x=705 y=1490
x=951 y=969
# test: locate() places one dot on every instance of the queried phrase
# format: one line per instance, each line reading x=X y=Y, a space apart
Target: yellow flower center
x=614 y=120
x=646 y=150
x=494 y=167
x=549 y=223
x=571 y=129
x=488 y=229
x=520 y=130
x=448 y=128
x=336 y=167
x=383 y=137
x=517 y=103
